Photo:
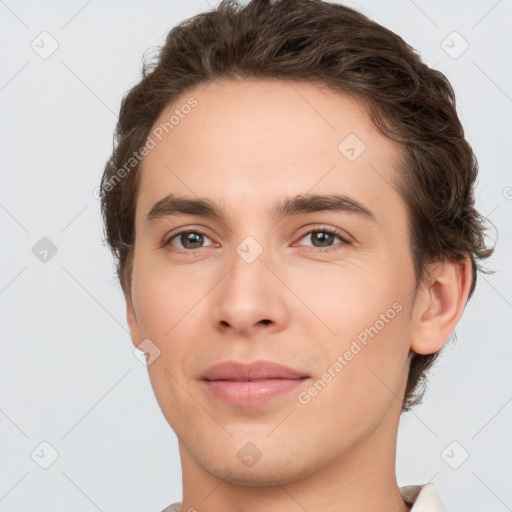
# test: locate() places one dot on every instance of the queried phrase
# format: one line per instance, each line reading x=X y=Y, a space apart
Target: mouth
x=250 y=385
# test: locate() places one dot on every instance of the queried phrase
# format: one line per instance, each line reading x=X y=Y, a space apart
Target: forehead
x=243 y=143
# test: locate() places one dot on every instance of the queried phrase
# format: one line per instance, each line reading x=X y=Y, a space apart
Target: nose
x=250 y=299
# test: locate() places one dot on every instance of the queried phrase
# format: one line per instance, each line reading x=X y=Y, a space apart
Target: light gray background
x=69 y=376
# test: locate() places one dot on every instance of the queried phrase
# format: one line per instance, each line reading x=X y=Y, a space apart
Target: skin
x=245 y=145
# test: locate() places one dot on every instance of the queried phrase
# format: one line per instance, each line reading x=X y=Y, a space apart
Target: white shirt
x=423 y=498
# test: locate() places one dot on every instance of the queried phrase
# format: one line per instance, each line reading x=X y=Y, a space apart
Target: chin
x=248 y=479
x=275 y=470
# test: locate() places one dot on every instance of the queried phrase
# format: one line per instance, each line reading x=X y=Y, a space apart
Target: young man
x=290 y=202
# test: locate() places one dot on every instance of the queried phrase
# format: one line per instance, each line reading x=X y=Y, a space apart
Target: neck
x=362 y=478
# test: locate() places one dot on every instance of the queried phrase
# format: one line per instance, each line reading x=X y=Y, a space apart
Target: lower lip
x=250 y=393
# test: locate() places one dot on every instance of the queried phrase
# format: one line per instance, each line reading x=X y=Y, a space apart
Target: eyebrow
x=172 y=205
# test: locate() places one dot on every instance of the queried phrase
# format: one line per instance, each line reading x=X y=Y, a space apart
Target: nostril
x=266 y=321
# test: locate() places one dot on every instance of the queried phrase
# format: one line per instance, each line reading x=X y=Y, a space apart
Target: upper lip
x=257 y=370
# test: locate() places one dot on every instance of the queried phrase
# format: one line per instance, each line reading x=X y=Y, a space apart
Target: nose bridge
x=249 y=274
x=250 y=249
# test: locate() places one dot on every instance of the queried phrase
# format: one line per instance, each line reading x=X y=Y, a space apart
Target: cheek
x=371 y=325
x=164 y=298
x=344 y=297
x=360 y=379
x=365 y=316
x=166 y=314
x=171 y=313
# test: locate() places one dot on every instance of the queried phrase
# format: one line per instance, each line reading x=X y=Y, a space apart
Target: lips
x=258 y=370
x=250 y=385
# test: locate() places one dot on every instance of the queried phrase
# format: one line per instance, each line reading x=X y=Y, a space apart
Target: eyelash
x=320 y=229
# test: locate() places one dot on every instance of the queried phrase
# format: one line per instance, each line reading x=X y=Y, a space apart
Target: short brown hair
x=329 y=45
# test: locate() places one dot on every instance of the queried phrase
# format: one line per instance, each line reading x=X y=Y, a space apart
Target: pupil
x=323 y=237
x=192 y=238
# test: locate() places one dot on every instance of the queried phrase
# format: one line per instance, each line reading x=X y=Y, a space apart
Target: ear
x=439 y=305
x=133 y=323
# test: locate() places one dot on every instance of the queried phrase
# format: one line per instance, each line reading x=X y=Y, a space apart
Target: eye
x=324 y=236
x=190 y=240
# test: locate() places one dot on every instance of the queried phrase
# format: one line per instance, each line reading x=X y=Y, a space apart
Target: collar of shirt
x=424 y=498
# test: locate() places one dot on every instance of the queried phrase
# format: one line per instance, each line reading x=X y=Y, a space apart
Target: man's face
x=327 y=293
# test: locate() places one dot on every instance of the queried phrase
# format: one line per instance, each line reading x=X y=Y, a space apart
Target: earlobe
x=133 y=324
x=440 y=304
